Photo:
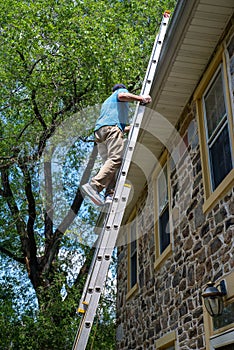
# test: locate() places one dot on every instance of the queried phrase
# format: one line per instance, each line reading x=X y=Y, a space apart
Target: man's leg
x=113 y=142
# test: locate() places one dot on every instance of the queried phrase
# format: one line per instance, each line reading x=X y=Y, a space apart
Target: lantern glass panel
x=214 y=305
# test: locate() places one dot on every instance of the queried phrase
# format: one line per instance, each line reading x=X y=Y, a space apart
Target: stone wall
x=169 y=298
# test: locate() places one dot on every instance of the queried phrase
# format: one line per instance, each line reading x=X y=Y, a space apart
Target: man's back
x=113 y=112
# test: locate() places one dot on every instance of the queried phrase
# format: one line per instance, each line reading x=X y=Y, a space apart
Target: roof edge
x=175 y=32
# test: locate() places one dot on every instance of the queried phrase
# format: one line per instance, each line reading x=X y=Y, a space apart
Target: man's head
x=118 y=86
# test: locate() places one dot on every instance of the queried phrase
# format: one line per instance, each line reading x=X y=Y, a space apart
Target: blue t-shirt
x=113 y=112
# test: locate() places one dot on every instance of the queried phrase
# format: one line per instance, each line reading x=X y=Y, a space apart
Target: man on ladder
x=109 y=135
x=109 y=131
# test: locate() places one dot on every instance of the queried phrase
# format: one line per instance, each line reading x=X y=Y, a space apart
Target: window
x=217 y=130
x=132 y=258
x=215 y=120
x=162 y=212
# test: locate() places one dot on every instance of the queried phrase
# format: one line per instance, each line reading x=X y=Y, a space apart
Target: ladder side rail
x=87 y=322
x=108 y=238
x=94 y=268
x=140 y=109
x=154 y=58
x=147 y=83
x=99 y=243
x=92 y=297
x=150 y=72
x=80 y=308
x=94 y=291
x=84 y=299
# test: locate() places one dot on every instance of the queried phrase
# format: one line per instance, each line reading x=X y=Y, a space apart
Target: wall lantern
x=213 y=298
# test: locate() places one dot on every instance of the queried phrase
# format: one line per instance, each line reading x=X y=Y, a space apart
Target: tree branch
x=77 y=202
x=7 y=193
x=30 y=71
x=36 y=110
x=24 y=128
x=49 y=211
x=25 y=233
x=31 y=204
x=22 y=59
x=11 y=255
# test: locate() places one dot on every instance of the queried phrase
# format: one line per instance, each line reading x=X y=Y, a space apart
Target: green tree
x=58 y=58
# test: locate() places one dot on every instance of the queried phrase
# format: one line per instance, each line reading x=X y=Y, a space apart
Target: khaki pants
x=110 y=142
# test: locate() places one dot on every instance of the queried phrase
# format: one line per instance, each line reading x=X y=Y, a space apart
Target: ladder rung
x=82 y=311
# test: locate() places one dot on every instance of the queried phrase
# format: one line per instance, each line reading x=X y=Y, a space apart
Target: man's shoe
x=108 y=199
x=93 y=194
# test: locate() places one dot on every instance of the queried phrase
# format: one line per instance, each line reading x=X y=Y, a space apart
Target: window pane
x=215 y=104
x=133 y=237
x=220 y=158
x=133 y=270
x=162 y=189
x=227 y=347
x=225 y=319
x=133 y=255
x=164 y=230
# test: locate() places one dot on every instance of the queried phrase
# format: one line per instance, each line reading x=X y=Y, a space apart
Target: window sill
x=167 y=340
x=132 y=291
x=167 y=252
x=223 y=188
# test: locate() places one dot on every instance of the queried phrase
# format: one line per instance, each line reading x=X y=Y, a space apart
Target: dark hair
x=118 y=86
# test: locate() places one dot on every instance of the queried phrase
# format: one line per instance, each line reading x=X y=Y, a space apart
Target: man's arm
x=128 y=97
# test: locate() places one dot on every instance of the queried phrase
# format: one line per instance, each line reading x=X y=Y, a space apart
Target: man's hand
x=127 y=128
x=146 y=99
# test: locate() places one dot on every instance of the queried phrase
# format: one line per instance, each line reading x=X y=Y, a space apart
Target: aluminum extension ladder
x=108 y=236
